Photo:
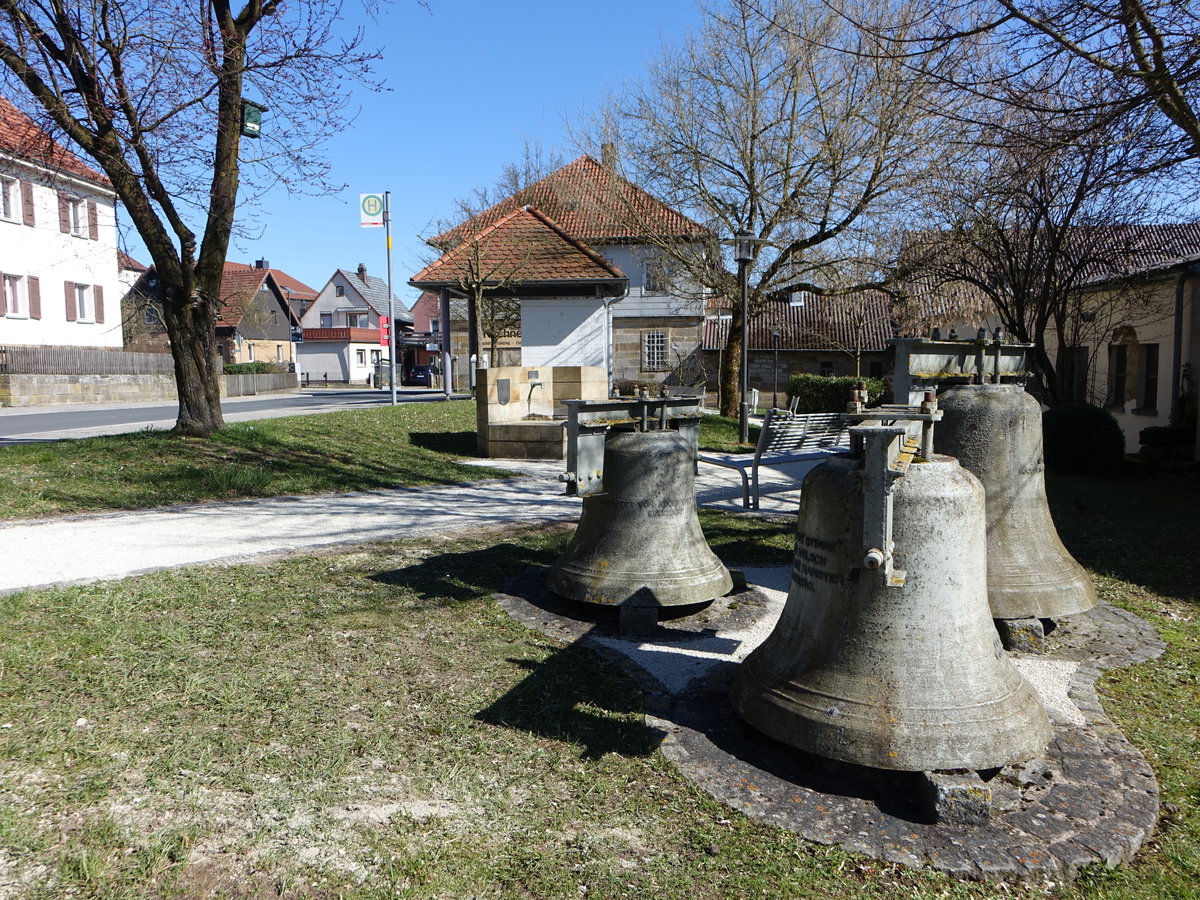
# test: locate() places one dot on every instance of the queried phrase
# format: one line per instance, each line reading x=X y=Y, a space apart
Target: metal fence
x=82 y=361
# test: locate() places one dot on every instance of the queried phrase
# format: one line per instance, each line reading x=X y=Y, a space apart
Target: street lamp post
x=775 y=370
x=743 y=252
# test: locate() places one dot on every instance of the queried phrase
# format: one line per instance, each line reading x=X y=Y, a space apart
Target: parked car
x=420 y=376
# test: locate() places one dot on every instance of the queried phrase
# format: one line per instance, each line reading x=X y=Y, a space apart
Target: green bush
x=255 y=368
x=819 y=393
x=1082 y=439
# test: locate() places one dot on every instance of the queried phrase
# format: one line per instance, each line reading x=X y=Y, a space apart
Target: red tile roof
x=239 y=285
x=299 y=290
x=587 y=200
x=23 y=138
x=526 y=246
x=125 y=261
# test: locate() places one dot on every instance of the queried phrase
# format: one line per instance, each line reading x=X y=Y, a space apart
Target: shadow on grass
x=451 y=578
x=1138 y=529
x=455 y=443
x=574 y=696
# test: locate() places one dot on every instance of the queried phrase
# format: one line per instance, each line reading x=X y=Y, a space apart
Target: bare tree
x=491 y=312
x=153 y=91
x=774 y=119
x=1037 y=225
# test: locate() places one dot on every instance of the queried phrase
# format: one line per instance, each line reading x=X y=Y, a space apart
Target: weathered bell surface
x=639 y=543
x=864 y=669
x=995 y=431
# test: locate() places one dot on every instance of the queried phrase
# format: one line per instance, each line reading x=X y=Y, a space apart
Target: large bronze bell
x=639 y=543
x=995 y=431
x=885 y=654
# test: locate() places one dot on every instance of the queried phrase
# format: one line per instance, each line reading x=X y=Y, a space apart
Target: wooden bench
x=785 y=438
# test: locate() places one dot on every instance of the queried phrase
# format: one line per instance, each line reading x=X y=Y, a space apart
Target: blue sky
x=470 y=81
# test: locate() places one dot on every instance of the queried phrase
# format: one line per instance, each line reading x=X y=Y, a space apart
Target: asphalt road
x=45 y=423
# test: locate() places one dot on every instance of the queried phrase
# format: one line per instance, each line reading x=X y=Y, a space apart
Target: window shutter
x=70 y=292
x=93 y=222
x=64 y=213
x=98 y=303
x=35 y=297
x=27 y=202
x=3 y=297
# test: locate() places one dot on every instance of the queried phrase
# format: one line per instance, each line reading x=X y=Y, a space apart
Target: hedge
x=256 y=368
x=819 y=393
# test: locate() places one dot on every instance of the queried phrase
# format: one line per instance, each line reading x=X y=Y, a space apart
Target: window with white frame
x=250 y=352
x=77 y=216
x=376 y=356
x=16 y=301
x=356 y=320
x=654 y=351
x=434 y=326
x=360 y=357
x=327 y=320
x=85 y=308
x=279 y=353
x=339 y=290
x=10 y=199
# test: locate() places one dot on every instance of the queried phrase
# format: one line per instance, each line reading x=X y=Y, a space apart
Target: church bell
x=995 y=431
x=639 y=541
x=885 y=654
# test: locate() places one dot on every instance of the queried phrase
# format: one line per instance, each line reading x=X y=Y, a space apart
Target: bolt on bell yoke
x=638 y=545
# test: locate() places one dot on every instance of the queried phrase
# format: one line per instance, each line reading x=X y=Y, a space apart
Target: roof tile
x=587 y=200
x=24 y=139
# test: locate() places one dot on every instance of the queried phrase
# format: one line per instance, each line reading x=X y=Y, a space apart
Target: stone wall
x=519 y=409
x=52 y=390
x=683 y=342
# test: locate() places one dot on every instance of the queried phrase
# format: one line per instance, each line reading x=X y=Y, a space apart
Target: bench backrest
x=785 y=433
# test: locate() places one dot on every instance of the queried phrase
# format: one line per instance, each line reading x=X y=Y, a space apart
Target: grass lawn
x=368 y=449
x=367 y=724
x=358 y=450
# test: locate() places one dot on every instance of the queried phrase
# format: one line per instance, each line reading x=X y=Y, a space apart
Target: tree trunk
x=191 y=327
x=731 y=368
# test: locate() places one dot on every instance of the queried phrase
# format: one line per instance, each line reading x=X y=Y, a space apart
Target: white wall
x=54 y=258
x=340 y=360
x=563 y=332
x=328 y=301
x=632 y=261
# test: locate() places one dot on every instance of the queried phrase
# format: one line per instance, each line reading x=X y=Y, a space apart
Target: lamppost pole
x=775 y=370
x=744 y=254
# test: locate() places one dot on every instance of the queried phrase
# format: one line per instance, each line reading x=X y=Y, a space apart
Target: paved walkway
x=103 y=546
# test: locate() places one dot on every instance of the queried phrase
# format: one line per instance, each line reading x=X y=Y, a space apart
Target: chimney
x=608 y=155
x=262 y=264
x=362 y=272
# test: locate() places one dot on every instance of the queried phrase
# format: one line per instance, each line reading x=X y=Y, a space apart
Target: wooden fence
x=82 y=361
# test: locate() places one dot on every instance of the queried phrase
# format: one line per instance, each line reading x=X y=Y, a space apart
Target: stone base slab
x=1090 y=798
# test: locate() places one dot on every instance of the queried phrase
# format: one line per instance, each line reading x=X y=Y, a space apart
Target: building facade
x=59 y=270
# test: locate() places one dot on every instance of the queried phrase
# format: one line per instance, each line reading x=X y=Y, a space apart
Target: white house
x=597 y=295
x=58 y=243
x=341 y=328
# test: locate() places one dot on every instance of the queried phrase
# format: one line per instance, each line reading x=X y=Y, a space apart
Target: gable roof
x=374 y=292
x=526 y=246
x=587 y=200
x=285 y=282
x=240 y=284
x=24 y=139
